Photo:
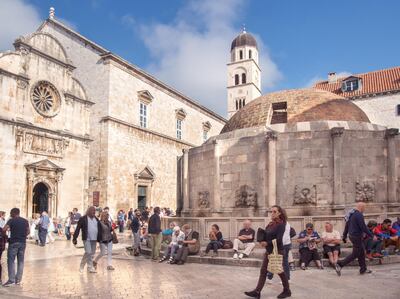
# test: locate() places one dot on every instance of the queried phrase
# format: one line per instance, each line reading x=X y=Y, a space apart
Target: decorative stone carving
x=365 y=191
x=22 y=84
x=204 y=201
x=391 y=132
x=337 y=132
x=46 y=99
x=44 y=145
x=246 y=197
x=271 y=135
x=303 y=196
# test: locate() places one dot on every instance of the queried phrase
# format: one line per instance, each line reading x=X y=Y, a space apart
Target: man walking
x=355 y=228
x=19 y=228
x=155 y=234
x=90 y=234
x=44 y=223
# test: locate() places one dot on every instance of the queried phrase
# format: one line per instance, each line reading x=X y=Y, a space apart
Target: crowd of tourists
x=97 y=226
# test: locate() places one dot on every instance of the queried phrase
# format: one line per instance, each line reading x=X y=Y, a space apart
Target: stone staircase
x=255 y=259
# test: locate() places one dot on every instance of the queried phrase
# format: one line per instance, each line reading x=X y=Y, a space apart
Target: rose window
x=46 y=99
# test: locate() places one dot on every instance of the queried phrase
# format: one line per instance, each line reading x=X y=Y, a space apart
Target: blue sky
x=186 y=43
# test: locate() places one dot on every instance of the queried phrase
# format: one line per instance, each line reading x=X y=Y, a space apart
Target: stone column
x=57 y=192
x=29 y=191
x=337 y=140
x=271 y=138
x=391 y=165
x=185 y=180
x=217 y=196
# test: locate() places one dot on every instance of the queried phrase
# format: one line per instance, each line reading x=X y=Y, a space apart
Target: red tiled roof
x=377 y=82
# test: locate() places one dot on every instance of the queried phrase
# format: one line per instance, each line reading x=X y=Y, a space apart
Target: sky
x=186 y=43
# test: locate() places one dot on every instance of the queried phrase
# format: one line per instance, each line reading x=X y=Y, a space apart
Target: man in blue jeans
x=19 y=228
x=43 y=227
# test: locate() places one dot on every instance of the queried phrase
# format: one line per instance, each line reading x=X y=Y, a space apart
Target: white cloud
x=191 y=52
x=16 y=18
x=317 y=79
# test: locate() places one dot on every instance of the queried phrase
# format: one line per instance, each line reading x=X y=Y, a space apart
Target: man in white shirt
x=2 y=219
x=331 y=239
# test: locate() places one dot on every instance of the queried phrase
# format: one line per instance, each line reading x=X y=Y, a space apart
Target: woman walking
x=105 y=240
x=274 y=230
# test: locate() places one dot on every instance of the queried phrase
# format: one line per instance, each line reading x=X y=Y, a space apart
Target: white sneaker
x=240 y=256
x=235 y=256
x=92 y=270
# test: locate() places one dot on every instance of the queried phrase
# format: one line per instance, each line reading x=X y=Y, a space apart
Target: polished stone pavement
x=52 y=272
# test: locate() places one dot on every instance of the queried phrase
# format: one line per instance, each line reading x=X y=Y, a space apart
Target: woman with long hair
x=105 y=240
x=274 y=230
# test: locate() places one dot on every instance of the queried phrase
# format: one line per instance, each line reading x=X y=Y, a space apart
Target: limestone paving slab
x=58 y=277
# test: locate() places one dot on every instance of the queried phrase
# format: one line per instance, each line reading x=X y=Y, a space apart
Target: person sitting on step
x=388 y=234
x=245 y=241
x=331 y=239
x=373 y=245
x=308 y=249
x=216 y=241
x=177 y=239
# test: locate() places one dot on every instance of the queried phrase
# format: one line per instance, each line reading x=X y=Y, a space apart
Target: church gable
x=146 y=174
x=44 y=164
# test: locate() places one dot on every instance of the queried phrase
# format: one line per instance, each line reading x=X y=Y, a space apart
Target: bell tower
x=244 y=73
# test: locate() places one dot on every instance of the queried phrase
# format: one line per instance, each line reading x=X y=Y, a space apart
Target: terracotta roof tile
x=376 y=82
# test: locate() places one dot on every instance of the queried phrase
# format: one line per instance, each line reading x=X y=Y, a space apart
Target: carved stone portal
x=246 y=197
x=203 y=200
x=365 y=191
x=305 y=195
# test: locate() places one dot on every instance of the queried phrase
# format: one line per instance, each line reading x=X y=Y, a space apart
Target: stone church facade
x=44 y=128
x=80 y=125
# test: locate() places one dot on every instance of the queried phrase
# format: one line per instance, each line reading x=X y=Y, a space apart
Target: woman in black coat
x=274 y=230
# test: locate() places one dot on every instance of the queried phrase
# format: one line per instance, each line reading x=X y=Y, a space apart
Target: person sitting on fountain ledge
x=245 y=241
x=388 y=234
x=308 y=249
x=216 y=241
x=331 y=239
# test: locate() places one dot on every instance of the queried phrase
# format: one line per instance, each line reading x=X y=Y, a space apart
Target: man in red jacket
x=388 y=234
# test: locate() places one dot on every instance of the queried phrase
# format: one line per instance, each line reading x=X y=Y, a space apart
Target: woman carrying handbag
x=272 y=240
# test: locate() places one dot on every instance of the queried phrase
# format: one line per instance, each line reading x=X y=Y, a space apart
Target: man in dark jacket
x=135 y=227
x=355 y=228
x=155 y=234
x=90 y=234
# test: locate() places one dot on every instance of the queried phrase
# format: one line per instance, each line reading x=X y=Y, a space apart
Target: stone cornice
x=23 y=124
x=22 y=77
x=246 y=84
x=244 y=60
x=18 y=43
x=116 y=120
x=78 y=99
x=373 y=95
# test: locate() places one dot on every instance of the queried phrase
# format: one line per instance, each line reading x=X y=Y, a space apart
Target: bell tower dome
x=244 y=73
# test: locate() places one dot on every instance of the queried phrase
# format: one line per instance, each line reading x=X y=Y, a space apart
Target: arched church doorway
x=40 y=198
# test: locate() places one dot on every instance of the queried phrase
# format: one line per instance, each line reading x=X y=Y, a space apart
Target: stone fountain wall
x=317 y=168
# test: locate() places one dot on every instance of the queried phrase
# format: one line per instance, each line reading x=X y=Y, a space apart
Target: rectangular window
x=179 y=129
x=205 y=136
x=279 y=113
x=351 y=85
x=398 y=110
x=143 y=115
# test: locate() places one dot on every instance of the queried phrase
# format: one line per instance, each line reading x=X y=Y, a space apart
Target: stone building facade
x=112 y=136
x=376 y=93
x=319 y=157
x=44 y=128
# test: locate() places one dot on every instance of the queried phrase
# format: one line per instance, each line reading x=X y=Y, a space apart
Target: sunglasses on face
x=309 y=229
x=274 y=212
